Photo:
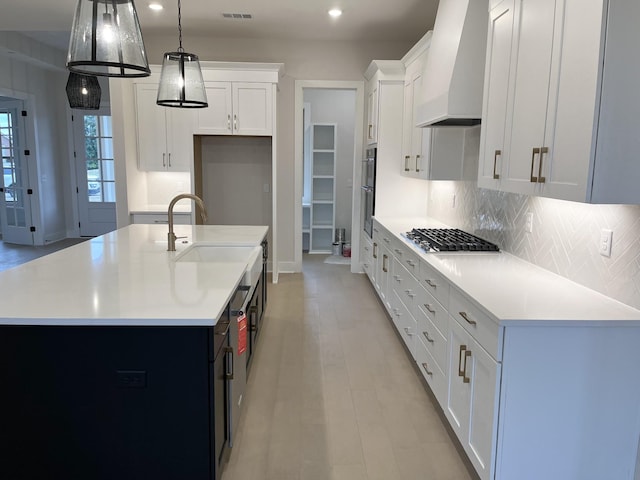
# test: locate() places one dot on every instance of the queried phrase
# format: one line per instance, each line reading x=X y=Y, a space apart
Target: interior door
x=15 y=194
x=95 y=171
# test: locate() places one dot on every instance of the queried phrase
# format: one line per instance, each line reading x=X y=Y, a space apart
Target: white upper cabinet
x=379 y=73
x=237 y=108
x=561 y=121
x=414 y=144
x=165 y=135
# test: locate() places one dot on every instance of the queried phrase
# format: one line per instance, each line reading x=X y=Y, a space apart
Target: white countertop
x=127 y=277
x=514 y=291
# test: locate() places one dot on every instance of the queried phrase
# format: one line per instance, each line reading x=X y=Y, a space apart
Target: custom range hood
x=451 y=92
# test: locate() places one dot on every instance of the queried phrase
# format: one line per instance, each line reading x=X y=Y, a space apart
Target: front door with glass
x=15 y=194
x=95 y=170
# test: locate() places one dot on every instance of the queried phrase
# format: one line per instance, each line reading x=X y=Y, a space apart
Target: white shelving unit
x=306 y=226
x=323 y=187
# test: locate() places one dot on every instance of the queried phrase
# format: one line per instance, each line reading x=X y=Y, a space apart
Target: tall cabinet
x=323 y=187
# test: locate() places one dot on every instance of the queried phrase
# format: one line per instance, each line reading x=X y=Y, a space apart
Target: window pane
x=90 y=126
x=94 y=191
x=106 y=148
x=91 y=147
x=108 y=170
x=109 y=191
x=105 y=126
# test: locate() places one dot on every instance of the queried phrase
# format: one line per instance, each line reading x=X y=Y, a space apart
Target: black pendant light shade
x=181 y=83
x=106 y=40
x=83 y=91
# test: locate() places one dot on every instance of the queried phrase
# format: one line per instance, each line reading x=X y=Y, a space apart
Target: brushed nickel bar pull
x=534 y=152
x=409 y=293
x=169 y=160
x=543 y=150
x=496 y=176
x=411 y=263
x=406 y=330
x=229 y=374
x=426 y=369
x=463 y=348
x=406 y=162
x=429 y=309
x=426 y=335
x=386 y=240
x=164 y=159
x=417 y=160
x=370 y=132
x=466 y=379
x=430 y=283
x=398 y=251
x=397 y=278
x=467 y=319
x=375 y=230
x=385 y=269
x=375 y=250
x=229 y=121
x=235 y=123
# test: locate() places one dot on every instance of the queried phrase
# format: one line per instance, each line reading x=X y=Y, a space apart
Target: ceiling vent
x=241 y=16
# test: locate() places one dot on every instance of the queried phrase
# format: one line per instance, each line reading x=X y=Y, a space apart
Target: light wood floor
x=332 y=394
x=12 y=255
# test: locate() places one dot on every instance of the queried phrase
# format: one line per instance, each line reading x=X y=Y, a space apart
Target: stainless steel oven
x=369 y=189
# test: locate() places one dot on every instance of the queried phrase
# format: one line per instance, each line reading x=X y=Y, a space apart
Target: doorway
x=15 y=192
x=328 y=146
x=95 y=171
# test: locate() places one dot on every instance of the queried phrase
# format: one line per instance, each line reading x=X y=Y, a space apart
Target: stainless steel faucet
x=171 y=237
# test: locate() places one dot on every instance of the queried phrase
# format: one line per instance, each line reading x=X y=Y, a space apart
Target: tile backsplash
x=564 y=239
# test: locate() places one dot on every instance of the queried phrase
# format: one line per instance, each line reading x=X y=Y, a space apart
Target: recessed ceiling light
x=155 y=7
x=335 y=12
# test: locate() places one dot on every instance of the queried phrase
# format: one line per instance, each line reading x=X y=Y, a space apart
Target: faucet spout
x=171 y=236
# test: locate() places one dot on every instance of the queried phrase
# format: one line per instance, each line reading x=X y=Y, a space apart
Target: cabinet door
x=216 y=119
x=459 y=380
x=179 y=139
x=496 y=86
x=533 y=48
x=151 y=129
x=407 y=128
x=252 y=109
x=484 y=376
x=372 y=113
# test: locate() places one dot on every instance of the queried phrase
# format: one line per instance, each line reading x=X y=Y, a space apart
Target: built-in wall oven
x=369 y=189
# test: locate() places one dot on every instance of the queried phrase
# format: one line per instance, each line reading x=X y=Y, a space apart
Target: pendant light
x=181 y=83
x=106 y=40
x=83 y=91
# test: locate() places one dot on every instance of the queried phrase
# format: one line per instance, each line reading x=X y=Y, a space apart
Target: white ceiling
x=386 y=20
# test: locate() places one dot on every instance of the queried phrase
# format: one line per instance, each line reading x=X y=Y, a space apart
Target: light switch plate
x=606 y=237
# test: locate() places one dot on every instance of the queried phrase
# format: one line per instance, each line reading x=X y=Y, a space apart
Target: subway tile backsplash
x=564 y=239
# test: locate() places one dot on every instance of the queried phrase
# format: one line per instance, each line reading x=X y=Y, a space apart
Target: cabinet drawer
x=407 y=257
x=436 y=379
x=432 y=339
x=481 y=326
x=433 y=309
x=404 y=285
x=404 y=322
x=434 y=283
x=161 y=218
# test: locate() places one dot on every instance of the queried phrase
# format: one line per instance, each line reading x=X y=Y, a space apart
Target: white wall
x=303 y=60
x=339 y=107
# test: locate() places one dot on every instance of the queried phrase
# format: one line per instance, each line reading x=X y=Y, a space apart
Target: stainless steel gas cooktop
x=449 y=240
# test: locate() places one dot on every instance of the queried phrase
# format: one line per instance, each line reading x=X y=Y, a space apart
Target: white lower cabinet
x=471 y=397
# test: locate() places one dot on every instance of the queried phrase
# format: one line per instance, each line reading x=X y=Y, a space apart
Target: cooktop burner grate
x=449 y=240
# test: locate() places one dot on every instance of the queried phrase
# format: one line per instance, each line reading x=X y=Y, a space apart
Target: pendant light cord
x=180 y=49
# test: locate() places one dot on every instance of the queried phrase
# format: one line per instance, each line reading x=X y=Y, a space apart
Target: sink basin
x=251 y=255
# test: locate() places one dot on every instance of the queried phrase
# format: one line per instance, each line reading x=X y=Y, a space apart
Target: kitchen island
x=114 y=356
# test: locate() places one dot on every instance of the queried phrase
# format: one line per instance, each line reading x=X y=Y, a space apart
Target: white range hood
x=451 y=92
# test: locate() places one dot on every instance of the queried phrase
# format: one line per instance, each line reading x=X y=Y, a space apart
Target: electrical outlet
x=528 y=222
x=606 y=237
x=266 y=187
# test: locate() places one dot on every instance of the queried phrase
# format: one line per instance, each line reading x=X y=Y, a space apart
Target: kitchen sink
x=252 y=255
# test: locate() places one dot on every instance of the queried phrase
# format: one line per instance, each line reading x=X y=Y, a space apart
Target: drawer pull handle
x=543 y=150
x=495 y=161
x=429 y=309
x=426 y=335
x=375 y=230
x=375 y=250
x=384 y=263
x=466 y=379
x=396 y=312
x=467 y=319
x=426 y=368
x=386 y=240
x=461 y=372
x=366 y=249
x=534 y=152
x=370 y=129
x=430 y=283
x=398 y=251
x=397 y=278
x=411 y=263
x=406 y=330
x=417 y=163
x=409 y=293
x=406 y=162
